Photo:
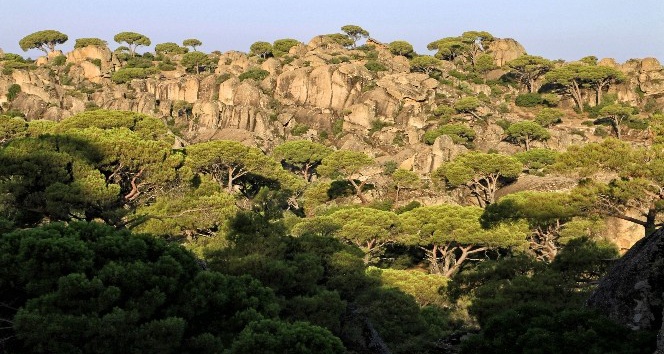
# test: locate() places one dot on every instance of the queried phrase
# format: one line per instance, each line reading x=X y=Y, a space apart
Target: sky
x=554 y=29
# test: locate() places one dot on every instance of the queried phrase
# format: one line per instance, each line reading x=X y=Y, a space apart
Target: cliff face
x=633 y=291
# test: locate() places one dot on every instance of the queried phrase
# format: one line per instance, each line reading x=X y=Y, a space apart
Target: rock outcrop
x=632 y=293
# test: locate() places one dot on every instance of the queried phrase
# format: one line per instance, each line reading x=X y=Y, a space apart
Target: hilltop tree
x=192 y=42
x=262 y=49
x=477 y=44
x=526 y=132
x=43 y=40
x=84 y=42
x=401 y=48
x=195 y=60
x=618 y=114
x=303 y=156
x=601 y=77
x=573 y=77
x=341 y=39
x=133 y=40
x=425 y=63
x=470 y=45
x=169 y=48
x=355 y=33
x=450 y=234
x=347 y=165
x=480 y=173
x=447 y=48
x=528 y=69
x=280 y=47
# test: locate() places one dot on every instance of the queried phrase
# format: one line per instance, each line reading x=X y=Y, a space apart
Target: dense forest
x=340 y=196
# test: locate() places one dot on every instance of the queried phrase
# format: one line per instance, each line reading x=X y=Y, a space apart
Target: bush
x=299 y=129
x=59 y=60
x=13 y=91
x=459 y=133
x=96 y=62
x=125 y=75
x=166 y=67
x=528 y=100
x=254 y=74
x=375 y=66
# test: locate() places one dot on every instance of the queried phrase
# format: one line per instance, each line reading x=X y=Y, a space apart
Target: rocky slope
x=319 y=91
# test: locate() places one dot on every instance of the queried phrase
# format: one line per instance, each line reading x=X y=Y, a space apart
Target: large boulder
x=85 y=54
x=632 y=293
x=505 y=50
x=327 y=86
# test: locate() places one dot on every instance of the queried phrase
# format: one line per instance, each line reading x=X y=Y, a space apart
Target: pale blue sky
x=565 y=29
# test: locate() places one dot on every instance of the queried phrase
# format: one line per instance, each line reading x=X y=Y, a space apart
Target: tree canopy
x=43 y=40
x=480 y=173
x=133 y=40
x=355 y=33
x=192 y=42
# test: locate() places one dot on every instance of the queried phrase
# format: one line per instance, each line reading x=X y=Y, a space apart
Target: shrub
x=375 y=66
x=254 y=74
x=127 y=74
x=548 y=117
x=13 y=91
x=96 y=62
x=528 y=100
x=299 y=129
x=59 y=60
x=459 y=133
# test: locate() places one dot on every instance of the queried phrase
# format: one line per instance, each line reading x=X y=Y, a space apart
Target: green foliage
x=133 y=40
x=262 y=49
x=43 y=40
x=58 y=61
x=341 y=39
x=275 y=337
x=254 y=74
x=525 y=132
x=425 y=63
x=281 y=47
x=193 y=61
x=169 y=48
x=537 y=159
x=426 y=289
x=192 y=42
x=528 y=100
x=84 y=42
x=346 y=165
x=12 y=128
x=480 y=173
x=451 y=233
x=13 y=91
x=355 y=33
x=303 y=156
x=125 y=75
x=460 y=134
x=401 y=48
x=548 y=117
x=528 y=69
x=299 y=129
x=375 y=66
x=129 y=293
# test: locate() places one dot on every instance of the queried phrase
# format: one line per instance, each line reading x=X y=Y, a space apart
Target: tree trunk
x=229 y=185
x=527 y=142
x=396 y=197
x=575 y=91
x=358 y=190
x=616 y=127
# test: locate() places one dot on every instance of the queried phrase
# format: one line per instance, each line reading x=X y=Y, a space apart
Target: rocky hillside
x=363 y=99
